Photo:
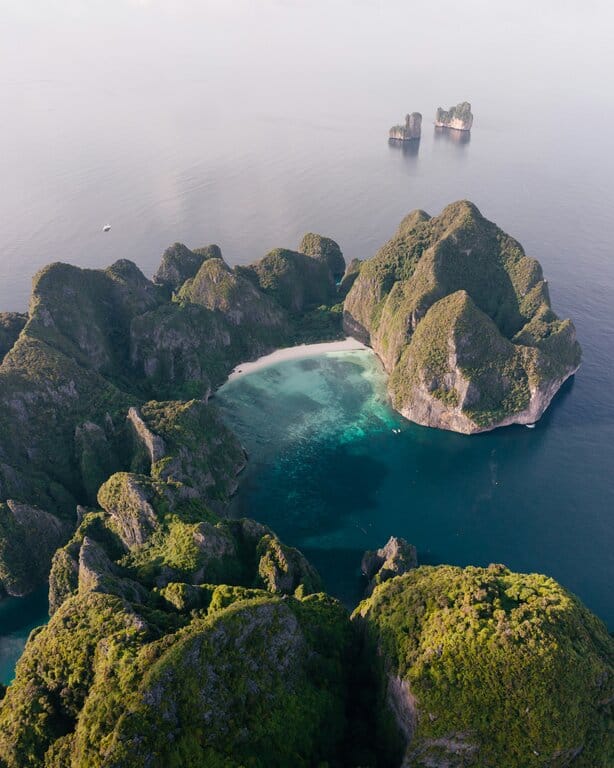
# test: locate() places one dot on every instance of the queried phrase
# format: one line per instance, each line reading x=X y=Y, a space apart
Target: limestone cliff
x=484 y=667
x=98 y=344
x=408 y=132
x=461 y=318
x=459 y=117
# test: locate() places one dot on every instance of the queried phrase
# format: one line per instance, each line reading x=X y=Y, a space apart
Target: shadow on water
x=406 y=148
x=452 y=136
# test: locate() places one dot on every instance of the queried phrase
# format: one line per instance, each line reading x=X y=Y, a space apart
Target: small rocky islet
x=458 y=118
x=181 y=637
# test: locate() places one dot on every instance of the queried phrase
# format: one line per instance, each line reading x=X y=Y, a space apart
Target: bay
x=248 y=124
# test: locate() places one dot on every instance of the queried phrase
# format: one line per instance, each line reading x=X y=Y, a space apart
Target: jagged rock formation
x=461 y=319
x=393 y=559
x=104 y=352
x=326 y=250
x=179 y=264
x=459 y=117
x=28 y=538
x=408 y=132
x=484 y=667
x=179 y=637
x=349 y=277
x=296 y=281
x=161 y=609
x=11 y=325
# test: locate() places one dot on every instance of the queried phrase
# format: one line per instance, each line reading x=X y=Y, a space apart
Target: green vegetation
x=461 y=364
x=98 y=343
x=504 y=670
x=182 y=638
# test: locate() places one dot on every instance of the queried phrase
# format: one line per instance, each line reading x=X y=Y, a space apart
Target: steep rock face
x=283 y=569
x=461 y=318
x=349 y=277
x=11 y=325
x=179 y=264
x=195 y=448
x=218 y=288
x=166 y=645
x=28 y=538
x=459 y=117
x=326 y=250
x=486 y=667
x=393 y=559
x=294 y=280
x=98 y=343
x=260 y=681
x=86 y=313
x=408 y=132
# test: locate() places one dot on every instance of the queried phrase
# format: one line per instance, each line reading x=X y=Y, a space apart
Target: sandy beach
x=295 y=353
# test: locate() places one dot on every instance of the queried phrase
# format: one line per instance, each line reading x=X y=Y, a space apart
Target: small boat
x=530 y=426
x=106 y=228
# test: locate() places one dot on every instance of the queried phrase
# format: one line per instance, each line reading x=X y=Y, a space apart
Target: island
x=458 y=118
x=461 y=318
x=183 y=636
x=408 y=132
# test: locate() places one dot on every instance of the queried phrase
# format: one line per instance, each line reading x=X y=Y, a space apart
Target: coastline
x=349 y=344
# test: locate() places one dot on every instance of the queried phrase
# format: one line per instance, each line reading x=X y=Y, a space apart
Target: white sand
x=296 y=353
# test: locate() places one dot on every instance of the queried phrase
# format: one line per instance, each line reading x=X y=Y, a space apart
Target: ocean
x=249 y=124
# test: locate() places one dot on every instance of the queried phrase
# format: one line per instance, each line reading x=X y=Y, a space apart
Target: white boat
x=106 y=228
x=530 y=426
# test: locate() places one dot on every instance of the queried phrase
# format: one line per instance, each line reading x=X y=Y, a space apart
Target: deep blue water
x=328 y=474
x=248 y=124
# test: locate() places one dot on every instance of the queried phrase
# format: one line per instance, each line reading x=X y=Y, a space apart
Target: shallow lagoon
x=330 y=476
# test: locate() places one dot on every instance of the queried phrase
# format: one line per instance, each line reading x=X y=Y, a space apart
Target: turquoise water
x=277 y=126
x=18 y=617
x=328 y=474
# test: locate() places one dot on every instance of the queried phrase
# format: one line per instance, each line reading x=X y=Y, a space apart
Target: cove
x=330 y=476
x=18 y=617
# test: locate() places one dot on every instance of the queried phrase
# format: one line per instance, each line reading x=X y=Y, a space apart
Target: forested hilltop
x=181 y=637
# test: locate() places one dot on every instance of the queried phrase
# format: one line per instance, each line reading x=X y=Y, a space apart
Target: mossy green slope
x=430 y=259
x=484 y=667
x=170 y=644
x=100 y=344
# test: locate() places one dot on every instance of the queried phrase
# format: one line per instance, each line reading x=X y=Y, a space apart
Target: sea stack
x=459 y=117
x=408 y=132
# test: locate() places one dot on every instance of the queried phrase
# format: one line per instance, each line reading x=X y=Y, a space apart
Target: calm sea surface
x=248 y=124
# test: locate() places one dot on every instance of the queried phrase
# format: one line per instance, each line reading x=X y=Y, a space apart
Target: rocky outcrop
x=461 y=318
x=349 y=277
x=179 y=264
x=294 y=280
x=128 y=500
x=459 y=117
x=28 y=538
x=393 y=559
x=410 y=131
x=11 y=325
x=326 y=250
x=481 y=666
x=100 y=342
x=283 y=569
x=217 y=287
